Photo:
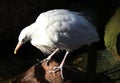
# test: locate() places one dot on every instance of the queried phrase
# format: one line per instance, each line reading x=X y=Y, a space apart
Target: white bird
x=58 y=29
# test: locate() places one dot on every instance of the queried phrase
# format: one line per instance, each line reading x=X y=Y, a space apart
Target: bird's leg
x=59 y=68
x=49 y=57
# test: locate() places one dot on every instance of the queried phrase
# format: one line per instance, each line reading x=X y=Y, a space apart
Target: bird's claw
x=56 y=69
x=46 y=61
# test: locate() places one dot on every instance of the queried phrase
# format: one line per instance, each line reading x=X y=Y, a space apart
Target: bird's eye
x=24 y=39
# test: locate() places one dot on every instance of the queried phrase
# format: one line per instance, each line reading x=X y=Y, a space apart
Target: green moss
x=112 y=30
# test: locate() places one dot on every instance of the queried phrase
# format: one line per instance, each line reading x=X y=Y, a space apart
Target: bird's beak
x=17 y=47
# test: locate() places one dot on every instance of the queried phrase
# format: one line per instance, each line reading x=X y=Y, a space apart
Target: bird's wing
x=71 y=30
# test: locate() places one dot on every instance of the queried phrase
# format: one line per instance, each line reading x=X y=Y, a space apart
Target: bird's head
x=23 y=38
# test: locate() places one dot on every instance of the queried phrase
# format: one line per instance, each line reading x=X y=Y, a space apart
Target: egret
x=58 y=29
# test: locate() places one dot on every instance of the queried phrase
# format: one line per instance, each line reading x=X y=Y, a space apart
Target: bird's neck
x=31 y=30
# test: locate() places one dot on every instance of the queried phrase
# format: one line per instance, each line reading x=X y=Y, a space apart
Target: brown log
x=39 y=74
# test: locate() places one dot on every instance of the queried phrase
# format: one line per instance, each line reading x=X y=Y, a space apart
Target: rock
x=39 y=74
x=106 y=65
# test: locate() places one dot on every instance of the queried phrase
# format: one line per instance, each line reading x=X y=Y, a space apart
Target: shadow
x=92 y=61
x=118 y=44
x=73 y=75
x=101 y=78
x=40 y=74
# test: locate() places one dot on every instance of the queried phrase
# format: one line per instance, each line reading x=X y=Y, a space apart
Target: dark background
x=17 y=14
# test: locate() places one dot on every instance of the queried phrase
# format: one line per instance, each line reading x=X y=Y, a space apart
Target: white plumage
x=59 y=29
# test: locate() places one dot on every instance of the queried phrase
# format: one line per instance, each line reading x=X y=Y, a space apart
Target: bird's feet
x=46 y=60
x=56 y=69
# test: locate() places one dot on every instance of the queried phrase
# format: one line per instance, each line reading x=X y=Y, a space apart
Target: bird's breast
x=43 y=43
